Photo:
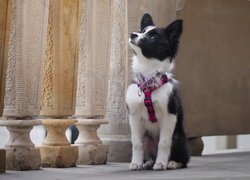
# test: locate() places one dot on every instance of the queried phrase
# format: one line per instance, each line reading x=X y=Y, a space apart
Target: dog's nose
x=133 y=35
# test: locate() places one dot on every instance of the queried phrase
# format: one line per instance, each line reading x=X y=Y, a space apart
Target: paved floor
x=214 y=167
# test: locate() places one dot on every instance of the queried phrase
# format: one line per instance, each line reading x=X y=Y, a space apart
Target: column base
x=2 y=160
x=91 y=149
x=56 y=150
x=59 y=156
x=92 y=154
x=196 y=146
x=21 y=153
x=119 y=151
x=23 y=158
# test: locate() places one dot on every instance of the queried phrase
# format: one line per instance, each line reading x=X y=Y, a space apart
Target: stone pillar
x=126 y=17
x=92 y=79
x=4 y=34
x=4 y=37
x=116 y=134
x=22 y=102
x=58 y=86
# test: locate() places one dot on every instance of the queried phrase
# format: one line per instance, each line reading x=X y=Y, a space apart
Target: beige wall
x=213 y=66
x=4 y=26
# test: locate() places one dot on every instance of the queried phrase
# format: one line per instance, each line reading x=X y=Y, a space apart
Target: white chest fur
x=160 y=97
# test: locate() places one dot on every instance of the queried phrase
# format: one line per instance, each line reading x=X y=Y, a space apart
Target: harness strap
x=149 y=105
x=148 y=96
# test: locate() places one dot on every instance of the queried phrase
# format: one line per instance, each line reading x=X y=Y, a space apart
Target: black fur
x=159 y=43
x=146 y=21
x=179 y=149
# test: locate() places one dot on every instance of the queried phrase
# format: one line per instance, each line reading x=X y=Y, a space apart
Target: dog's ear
x=146 y=21
x=174 y=30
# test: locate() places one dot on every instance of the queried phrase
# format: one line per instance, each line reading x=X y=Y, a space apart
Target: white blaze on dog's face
x=155 y=48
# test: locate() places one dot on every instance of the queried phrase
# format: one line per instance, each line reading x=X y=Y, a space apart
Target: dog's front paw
x=174 y=165
x=135 y=166
x=159 y=166
x=148 y=165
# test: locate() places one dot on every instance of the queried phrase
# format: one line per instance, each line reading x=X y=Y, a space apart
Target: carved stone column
x=4 y=38
x=58 y=87
x=22 y=102
x=92 y=79
x=116 y=134
x=4 y=34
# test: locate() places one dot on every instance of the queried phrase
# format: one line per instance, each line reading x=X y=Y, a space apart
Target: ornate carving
x=47 y=85
x=116 y=109
x=101 y=42
x=83 y=49
x=4 y=39
x=10 y=95
x=34 y=56
x=59 y=70
x=69 y=54
x=93 y=58
x=25 y=58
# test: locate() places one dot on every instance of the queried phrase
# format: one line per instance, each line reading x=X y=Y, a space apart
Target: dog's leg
x=150 y=151
x=137 y=132
x=166 y=131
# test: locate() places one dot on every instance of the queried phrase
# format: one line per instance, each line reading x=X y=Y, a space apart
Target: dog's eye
x=153 y=37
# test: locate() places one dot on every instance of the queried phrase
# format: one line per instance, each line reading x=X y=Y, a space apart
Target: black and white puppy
x=161 y=144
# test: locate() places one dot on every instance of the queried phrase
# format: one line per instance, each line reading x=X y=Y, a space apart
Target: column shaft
x=58 y=84
x=28 y=27
x=4 y=36
x=4 y=39
x=92 y=79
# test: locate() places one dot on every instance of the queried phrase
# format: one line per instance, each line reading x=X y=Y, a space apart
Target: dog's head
x=154 y=43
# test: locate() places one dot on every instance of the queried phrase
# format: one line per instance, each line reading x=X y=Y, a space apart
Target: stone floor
x=211 y=167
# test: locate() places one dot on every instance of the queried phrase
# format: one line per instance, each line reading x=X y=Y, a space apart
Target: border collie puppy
x=155 y=110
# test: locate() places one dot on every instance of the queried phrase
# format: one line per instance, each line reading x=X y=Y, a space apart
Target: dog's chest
x=160 y=97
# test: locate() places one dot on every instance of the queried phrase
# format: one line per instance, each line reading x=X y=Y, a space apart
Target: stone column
x=92 y=79
x=22 y=102
x=126 y=17
x=116 y=134
x=58 y=86
x=4 y=34
x=4 y=37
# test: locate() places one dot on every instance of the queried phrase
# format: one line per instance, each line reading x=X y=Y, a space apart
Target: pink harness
x=147 y=86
